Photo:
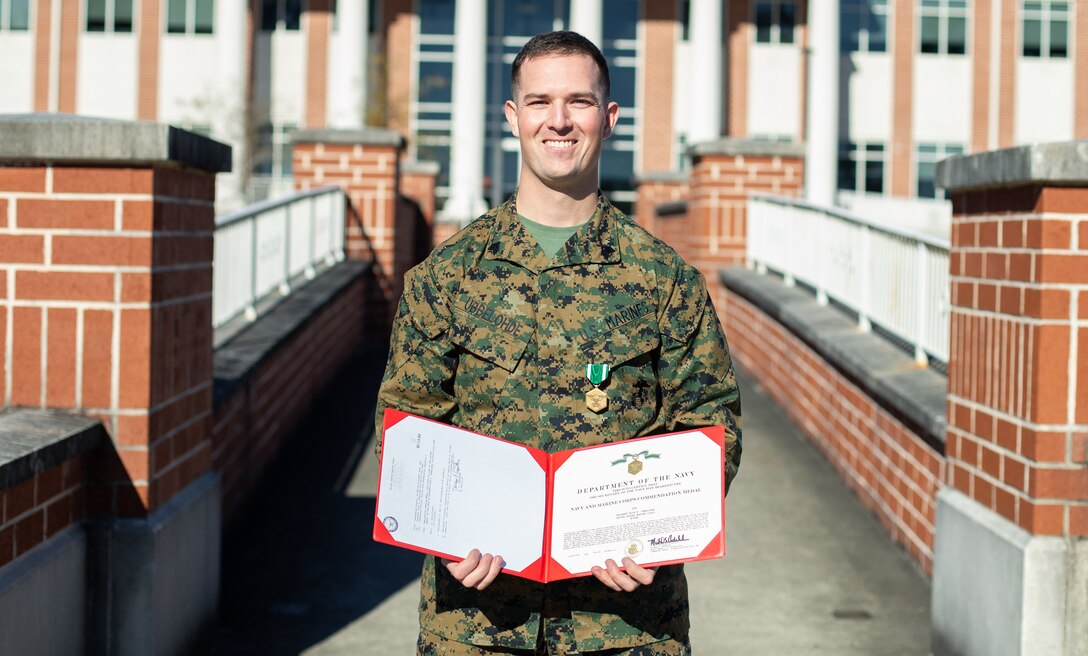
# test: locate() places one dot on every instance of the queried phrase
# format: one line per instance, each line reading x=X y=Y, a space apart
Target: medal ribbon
x=635 y=456
x=597 y=373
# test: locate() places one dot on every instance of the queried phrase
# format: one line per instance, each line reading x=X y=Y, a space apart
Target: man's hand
x=621 y=581
x=476 y=570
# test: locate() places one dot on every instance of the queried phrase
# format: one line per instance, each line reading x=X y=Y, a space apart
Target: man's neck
x=556 y=208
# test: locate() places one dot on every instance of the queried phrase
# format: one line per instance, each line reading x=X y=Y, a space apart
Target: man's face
x=561 y=118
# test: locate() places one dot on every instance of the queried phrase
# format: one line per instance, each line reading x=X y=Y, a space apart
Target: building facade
x=912 y=81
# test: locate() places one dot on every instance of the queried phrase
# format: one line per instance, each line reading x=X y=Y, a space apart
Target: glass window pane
x=620 y=19
x=847 y=173
x=20 y=15
x=931 y=31
x=122 y=16
x=435 y=82
x=1059 y=38
x=957 y=36
x=878 y=32
x=785 y=23
x=617 y=167
x=874 y=177
x=848 y=32
x=1033 y=6
x=927 y=149
x=931 y=3
x=763 y=22
x=623 y=85
x=268 y=15
x=175 y=16
x=204 y=22
x=926 y=174
x=524 y=18
x=292 y=16
x=436 y=16
x=874 y=148
x=96 y=15
x=1033 y=38
x=1059 y=7
x=953 y=149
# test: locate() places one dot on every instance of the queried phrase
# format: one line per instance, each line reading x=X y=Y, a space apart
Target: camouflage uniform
x=493 y=336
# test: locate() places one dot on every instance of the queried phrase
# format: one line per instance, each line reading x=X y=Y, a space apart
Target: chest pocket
x=634 y=394
x=488 y=358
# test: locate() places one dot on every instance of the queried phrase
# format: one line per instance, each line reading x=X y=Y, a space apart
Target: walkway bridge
x=186 y=461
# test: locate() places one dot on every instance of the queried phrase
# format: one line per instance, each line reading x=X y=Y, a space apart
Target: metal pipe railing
x=263 y=250
x=894 y=278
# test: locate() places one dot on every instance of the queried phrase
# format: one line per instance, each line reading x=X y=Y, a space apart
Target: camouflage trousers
x=556 y=639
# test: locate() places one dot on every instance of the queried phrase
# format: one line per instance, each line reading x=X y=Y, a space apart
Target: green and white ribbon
x=635 y=456
x=597 y=373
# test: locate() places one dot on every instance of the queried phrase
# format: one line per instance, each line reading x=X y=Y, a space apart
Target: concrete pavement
x=808 y=570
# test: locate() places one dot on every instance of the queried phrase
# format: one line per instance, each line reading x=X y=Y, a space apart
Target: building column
x=586 y=19
x=349 y=66
x=705 y=106
x=232 y=27
x=1011 y=552
x=466 y=200
x=822 y=130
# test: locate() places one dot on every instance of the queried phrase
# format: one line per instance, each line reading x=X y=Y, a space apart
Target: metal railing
x=264 y=250
x=894 y=278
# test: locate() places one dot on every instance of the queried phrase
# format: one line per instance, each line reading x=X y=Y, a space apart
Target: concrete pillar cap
x=1061 y=164
x=350 y=137
x=750 y=147
x=69 y=139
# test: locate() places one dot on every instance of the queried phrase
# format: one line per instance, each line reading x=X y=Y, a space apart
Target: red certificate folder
x=657 y=499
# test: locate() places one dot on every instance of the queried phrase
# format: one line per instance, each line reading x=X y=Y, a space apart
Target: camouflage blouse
x=493 y=336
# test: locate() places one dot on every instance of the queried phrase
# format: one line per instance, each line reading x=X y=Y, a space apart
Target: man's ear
x=611 y=116
x=511 y=111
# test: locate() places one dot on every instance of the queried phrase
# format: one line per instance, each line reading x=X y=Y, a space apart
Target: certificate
x=444 y=491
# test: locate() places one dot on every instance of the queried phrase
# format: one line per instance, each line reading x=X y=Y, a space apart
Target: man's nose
x=559 y=117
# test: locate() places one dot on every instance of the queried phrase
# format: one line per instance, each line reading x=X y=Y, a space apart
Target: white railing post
x=251 y=303
x=920 y=357
x=285 y=281
x=821 y=251
x=865 y=302
x=310 y=255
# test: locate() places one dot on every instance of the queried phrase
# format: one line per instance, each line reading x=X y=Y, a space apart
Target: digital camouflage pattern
x=493 y=336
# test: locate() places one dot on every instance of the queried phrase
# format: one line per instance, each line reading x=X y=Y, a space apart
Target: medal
x=596 y=399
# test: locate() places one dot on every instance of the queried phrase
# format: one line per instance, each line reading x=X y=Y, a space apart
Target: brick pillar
x=106 y=231
x=365 y=163
x=417 y=182
x=1012 y=555
x=723 y=174
x=657 y=189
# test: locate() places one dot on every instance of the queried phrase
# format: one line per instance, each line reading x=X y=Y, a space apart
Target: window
x=864 y=26
x=775 y=20
x=944 y=27
x=684 y=17
x=861 y=167
x=109 y=16
x=437 y=16
x=14 y=15
x=1046 y=29
x=927 y=156
x=273 y=152
x=190 y=16
x=280 y=14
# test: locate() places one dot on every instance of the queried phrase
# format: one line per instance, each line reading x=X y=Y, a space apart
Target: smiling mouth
x=557 y=144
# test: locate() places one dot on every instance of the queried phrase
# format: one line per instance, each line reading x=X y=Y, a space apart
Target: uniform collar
x=594 y=243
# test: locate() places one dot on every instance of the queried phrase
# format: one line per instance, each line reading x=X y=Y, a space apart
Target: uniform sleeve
x=699 y=386
x=421 y=365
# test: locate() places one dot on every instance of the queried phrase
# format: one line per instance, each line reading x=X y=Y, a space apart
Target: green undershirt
x=549 y=238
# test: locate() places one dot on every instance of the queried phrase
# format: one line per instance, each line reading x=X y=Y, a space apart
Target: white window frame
x=190 y=18
x=110 y=18
x=5 y=16
x=941 y=151
x=1045 y=15
x=859 y=153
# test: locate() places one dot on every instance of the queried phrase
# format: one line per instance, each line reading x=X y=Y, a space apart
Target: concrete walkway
x=808 y=570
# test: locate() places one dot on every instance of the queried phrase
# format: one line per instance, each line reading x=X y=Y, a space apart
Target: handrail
x=265 y=250
x=895 y=278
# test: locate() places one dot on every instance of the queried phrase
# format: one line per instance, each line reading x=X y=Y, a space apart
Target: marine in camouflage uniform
x=494 y=336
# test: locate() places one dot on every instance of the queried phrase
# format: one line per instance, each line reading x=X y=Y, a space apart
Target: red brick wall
x=110 y=315
x=1018 y=383
x=43 y=18
x=981 y=51
x=901 y=161
x=70 y=29
x=251 y=426
x=37 y=509
x=419 y=187
x=1009 y=53
x=660 y=29
x=672 y=230
x=1080 y=74
x=149 y=26
x=894 y=473
x=398 y=30
x=738 y=43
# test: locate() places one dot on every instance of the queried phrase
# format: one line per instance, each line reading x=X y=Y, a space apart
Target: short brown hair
x=561 y=43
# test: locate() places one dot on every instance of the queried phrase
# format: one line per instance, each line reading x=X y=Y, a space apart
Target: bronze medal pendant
x=596 y=400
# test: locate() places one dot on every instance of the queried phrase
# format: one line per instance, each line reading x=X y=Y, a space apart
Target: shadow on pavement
x=299 y=564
